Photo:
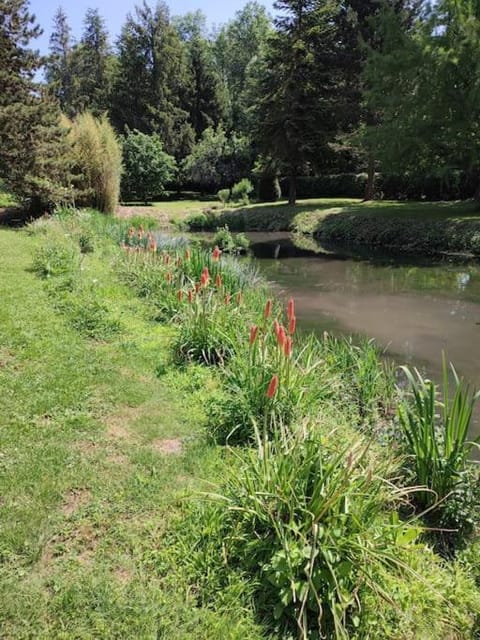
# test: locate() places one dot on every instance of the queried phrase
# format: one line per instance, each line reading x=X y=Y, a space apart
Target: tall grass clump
x=310 y=519
x=97 y=156
x=436 y=426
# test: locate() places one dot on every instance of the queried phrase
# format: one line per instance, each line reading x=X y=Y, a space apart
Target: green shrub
x=436 y=431
x=224 y=196
x=230 y=243
x=242 y=190
x=202 y=221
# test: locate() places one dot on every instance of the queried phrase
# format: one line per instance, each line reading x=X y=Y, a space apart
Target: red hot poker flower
x=290 y=308
x=197 y=287
x=287 y=347
x=253 y=334
x=281 y=336
x=216 y=253
x=268 y=309
x=272 y=387
x=167 y=258
x=168 y=277
x=292 y=325
x=179 y=295
x=190 y=296
x=204 y=280
x=153 y=246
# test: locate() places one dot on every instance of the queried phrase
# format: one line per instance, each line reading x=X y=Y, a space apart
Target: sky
x=115 y=11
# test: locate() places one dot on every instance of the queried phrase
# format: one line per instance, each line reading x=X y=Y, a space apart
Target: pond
x=413 y=308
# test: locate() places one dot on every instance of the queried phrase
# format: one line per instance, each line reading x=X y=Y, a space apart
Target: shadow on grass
x=16 y=217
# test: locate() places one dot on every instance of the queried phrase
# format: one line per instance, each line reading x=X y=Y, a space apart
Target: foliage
x=242 y=190
x=218 y=160
x=436 y=439
x=97 y=158
x=33 y=152
x=224 y=196
x=230 y=243
x=56 y=258
x=147 y=168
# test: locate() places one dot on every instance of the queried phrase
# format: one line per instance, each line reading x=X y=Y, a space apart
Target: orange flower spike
x=190 y=296
x=218 y=281
x=180 y=295
x=197 y=287
x=281 y=336
x=204 y=280
x=272 y=387
x=153 y=246
x=268 y=309
x=287 y=347
x=253 y=334
x=292 y=325
x=216 y=253
x=227 y=298
x=188 y=255
x=168 y=277
x=167 y=258
x=290 y=308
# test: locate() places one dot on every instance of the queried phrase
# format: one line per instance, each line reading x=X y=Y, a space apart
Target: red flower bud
x=281 y=336
x=253 y=334
x=291 y=325
x=290 y=308
x=268 y=309
x=272 y=387
x=216 y=253
x=205 y=278
x=287 y=347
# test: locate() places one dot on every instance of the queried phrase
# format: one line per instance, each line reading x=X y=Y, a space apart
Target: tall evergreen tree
x=297 y=87
x=93 y=62
x=32 y=145
x=58 y=67
x=151 y=89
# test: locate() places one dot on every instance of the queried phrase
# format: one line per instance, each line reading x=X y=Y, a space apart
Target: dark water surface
x=414 y=309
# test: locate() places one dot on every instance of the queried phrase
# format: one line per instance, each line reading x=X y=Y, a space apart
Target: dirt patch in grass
x=173 y=446
x=118 y=423
x=74 y=500
x=7 y=357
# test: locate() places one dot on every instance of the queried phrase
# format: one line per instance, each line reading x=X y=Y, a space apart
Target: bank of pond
x=347 y=502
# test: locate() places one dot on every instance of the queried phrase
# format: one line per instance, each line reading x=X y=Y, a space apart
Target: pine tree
x=33 y=159
x=58 y=67
x=93 y=65
x=297 y=87
x=151 y=89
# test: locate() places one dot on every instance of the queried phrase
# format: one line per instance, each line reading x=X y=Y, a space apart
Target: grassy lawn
x=93 y=462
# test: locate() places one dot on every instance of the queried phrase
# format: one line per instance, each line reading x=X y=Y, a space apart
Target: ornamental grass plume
x=272 y=387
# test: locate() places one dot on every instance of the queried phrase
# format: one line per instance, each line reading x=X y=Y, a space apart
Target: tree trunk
x=292 y=190
x=370 y=186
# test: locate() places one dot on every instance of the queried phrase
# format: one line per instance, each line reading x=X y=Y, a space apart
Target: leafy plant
x=436 y=430
x=242 y=190
x=56 y=258
x=224 y=196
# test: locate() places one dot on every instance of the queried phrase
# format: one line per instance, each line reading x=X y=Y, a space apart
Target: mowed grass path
x=94 y=458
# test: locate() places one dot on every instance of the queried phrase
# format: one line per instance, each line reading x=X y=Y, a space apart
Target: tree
x=33 y=159
x=237 y=44
x=297 y=87
x=147 y=168
x=425 y=83
x=93 y=66
x=218 y=160
x=58 y=67
x=151 y=88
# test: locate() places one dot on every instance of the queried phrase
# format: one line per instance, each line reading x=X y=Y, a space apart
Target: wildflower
x=268 y=309
x=153 y=246
x=290 y=309
x=167 y=258
x=216 y=253
x=179 y=295
x=253 y=334
x=272 y=387
x=281 y=336
x=190 y=295
x=188 y=255
x=205 y=278
x=227 y=298
x=287 y=347
x=218 y=281
x=292 y=325
x=168 y=277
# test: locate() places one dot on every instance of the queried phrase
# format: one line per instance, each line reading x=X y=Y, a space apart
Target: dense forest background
x=328 y=97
